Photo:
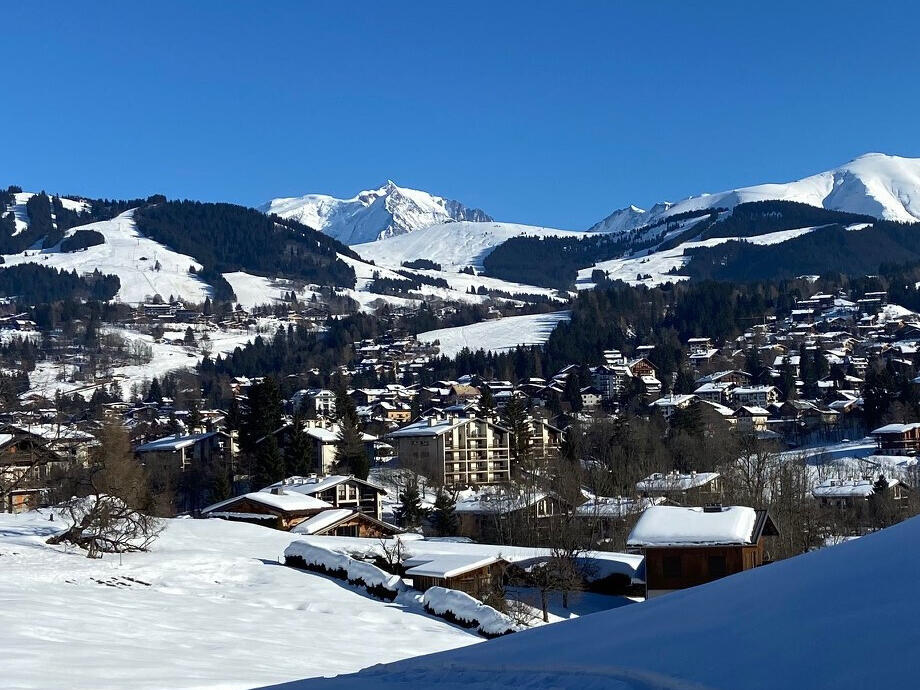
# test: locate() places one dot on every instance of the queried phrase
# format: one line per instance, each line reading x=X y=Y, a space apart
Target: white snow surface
x=498 y=334
x=488 y=620
x=785 y=625
x=874 y=184
x=209 y=607
x=373 y=214
x=453 y=245
x=130 y=256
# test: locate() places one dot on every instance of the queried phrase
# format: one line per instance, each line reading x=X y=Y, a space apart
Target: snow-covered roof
x=323 y=520
x=896 y=428
x=331 y=434
x=447 y=565
x=842 y=488
x=286 y=500
x=675 y=482
x=175 y=442
x=678 y=526
x=316 y=484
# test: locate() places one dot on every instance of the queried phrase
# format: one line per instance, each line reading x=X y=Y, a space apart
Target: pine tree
x=410 y=511
x=350 y=455
x=486 y=401
x=155 y=393
x=298 y=455
x=444 y=516
x=515 y=420
x=269 y=465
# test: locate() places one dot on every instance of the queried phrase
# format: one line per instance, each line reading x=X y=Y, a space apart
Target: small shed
x=477 y=575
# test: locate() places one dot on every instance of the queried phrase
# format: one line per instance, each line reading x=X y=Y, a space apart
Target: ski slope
x=453 y=245
x=658 y=265
x=209 y=607
x=130 y=256
x=498 y=334
x=874 y=184
x=842 y=617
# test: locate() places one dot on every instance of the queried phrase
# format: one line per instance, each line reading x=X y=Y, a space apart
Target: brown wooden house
x=26 y=466
x=339 y=491
x=345 y=522
x=277 y=508
x=685 y=547
x=898 y=439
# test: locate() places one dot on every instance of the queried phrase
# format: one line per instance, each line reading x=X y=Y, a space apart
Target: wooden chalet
x=27 y=463
x=898 y=439
x=276 y=508
x=475 y=574
x=345 y=522
x=339 y=491
x=685 y=547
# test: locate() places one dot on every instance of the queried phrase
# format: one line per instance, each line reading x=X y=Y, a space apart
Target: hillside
x=208 y=607
x=812 y=621
x=453 y=245
x=373 y=214
x=496 y=335
x=875 y=184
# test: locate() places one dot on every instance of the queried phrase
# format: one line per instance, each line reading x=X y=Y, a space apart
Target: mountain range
x=373 y=214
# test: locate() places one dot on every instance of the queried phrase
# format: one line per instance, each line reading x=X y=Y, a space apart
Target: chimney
x=278 y=491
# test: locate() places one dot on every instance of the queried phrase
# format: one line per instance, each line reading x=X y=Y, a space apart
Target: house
x=276 y=508
x=319 y=401
x=182 y=452
x=692 y=488
x=27 y=464
x=685 y=547
x=610 y=379
x=496 y=514
x=476 y=574
x=850 y=493
x=751 y=418
x=455 y=451
x=345 y=522
x=590 y=398
x=545 y=440
x=699 y=345
x=671 y=403
x=898 y=439
x=759 y=396
x=339 y=491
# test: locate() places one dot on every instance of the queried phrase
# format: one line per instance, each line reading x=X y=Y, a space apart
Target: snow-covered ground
x=498 y=334
x=129 y=255
x=209 y=607
x=167 y=356
x=453 y=245
x=828 y=619
x=660 y=264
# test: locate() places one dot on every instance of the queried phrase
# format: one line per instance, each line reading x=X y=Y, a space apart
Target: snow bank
x=459 y=607
x=377 y=582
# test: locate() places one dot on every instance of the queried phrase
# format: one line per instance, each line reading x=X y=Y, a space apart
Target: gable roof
x=677 y=526
x=285 y=501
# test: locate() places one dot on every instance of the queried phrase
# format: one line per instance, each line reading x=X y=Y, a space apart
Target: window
x=671 y=567
x=717 y=566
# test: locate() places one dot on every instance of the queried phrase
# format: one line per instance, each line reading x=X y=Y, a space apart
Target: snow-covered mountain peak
x=373 y=214
x=874 y=184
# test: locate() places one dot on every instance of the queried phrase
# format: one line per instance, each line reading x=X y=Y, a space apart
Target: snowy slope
x=828 y=619
x=21 y=215
x=130 y=256
x=373 y=214
x=498 y=334
x=209 y=607
x=659 y=264
x=874 y=184
x=453 y=245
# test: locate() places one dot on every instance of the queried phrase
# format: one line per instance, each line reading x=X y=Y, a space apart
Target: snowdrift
x=378 y=583
x=833 y=618
x=459 y=607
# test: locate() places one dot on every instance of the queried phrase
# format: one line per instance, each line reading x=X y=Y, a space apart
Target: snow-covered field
x=453 y=245
x=167 y=356
x=828 y=619
x=660 y=264
x=209 y=607
x=129 y=255
x=498 y=334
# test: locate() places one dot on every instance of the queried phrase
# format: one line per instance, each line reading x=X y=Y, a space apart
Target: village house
x=455 y=451
x=318 y=401
x=759 y=396
x=751 y=419
x=182 y=452
x=338 y=490
x=898 y=439
x=685 y=547
x=669 y=404
x=506 y=516
x=276 y=508
x=27 y=464
x=478 y=575
x=691 y=488
x=847 y=494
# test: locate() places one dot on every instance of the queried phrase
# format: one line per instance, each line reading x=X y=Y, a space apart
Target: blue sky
x=536 y=112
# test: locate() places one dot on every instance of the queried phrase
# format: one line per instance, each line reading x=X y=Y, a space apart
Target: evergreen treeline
x=423 y=264
x=827 y=250
x=35 y=284
x=762 y=217
x=227 y=237
x=82 y=239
